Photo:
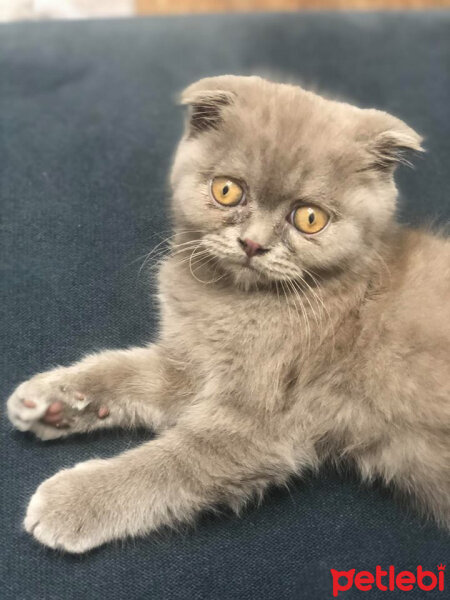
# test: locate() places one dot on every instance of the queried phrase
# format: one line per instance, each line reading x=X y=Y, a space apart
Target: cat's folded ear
x=388 y=141
x=207 y=99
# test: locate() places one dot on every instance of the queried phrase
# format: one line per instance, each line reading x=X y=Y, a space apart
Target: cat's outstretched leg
x=135 y=387
x=210 y=457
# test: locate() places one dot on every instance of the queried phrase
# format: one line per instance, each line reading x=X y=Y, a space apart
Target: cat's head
x=275 y=181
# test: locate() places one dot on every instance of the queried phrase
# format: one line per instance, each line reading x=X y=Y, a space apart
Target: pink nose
x=251 y=248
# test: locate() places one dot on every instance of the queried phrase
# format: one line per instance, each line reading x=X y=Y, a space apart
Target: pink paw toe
x=53 y=414
x=54 y=408
x=52 y=419
x=103 y=412
x=29 y=403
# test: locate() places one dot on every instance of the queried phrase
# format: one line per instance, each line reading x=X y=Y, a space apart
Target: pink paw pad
x=103 y=412
x=53 y=414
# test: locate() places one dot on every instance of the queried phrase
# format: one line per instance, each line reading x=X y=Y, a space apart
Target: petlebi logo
x=388 y=580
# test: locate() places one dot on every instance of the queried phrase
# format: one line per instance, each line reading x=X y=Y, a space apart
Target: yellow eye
x=226 y=191
x=309 y=219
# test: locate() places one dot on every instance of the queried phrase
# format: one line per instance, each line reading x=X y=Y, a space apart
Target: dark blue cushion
x=88 y=126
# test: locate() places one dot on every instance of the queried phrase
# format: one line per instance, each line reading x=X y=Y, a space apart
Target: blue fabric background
x=88 y=124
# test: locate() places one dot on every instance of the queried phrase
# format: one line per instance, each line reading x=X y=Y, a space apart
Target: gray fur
x=331 y=346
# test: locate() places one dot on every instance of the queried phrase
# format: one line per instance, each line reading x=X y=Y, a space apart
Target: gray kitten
x=299 y=323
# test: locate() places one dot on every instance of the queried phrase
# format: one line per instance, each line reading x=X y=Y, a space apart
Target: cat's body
x=371 y=386
x=272 y=359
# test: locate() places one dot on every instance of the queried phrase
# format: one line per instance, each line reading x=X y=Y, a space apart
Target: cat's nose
x=251 y=248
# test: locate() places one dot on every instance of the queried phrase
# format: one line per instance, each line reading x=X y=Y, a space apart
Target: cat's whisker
x=160 y=250
x=187 y=259
x=202 y=260
x=188 y=247
x=215 y=270
x=155 y=257
x=305 y=295
x=321 y=329
x=304 y=314
x=278 y=293
x=166 y=239
x=324 y=307
x=153 y=253
x=291 y=319
x=200 y=263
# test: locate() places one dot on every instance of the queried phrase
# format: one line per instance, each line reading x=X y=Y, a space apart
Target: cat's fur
x=332 y=346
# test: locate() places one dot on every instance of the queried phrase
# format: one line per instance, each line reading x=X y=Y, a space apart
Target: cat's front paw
x=66 y=511
x=51 y=407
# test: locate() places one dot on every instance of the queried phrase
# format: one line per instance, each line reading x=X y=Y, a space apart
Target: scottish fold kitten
x=299 y=322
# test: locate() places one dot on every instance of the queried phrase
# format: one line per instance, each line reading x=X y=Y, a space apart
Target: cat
x=299 y=323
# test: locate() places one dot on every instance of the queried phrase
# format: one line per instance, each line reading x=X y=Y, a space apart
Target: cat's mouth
x=248 y=269
x=244 y=263
x=256 y=270
x=240 y=265
x=247 y=264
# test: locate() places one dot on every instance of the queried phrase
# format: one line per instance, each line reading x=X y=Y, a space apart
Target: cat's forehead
x=281 y=146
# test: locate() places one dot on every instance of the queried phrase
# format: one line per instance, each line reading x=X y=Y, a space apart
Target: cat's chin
x=246 y=276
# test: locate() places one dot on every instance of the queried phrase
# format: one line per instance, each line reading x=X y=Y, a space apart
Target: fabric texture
x=88 y=124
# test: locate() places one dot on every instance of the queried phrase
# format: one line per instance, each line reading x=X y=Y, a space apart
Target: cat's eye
x=226 y=191
x=309 y=219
